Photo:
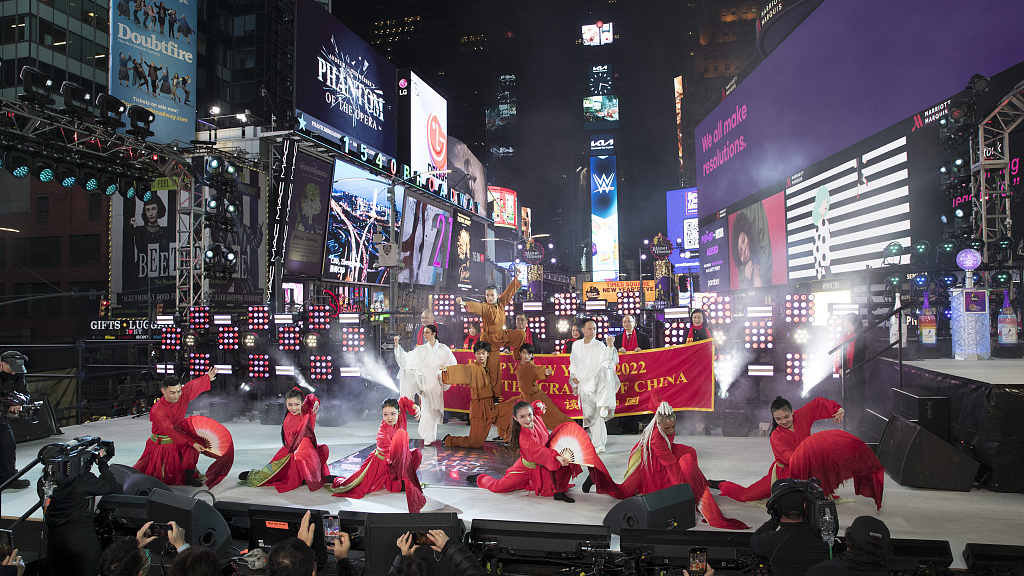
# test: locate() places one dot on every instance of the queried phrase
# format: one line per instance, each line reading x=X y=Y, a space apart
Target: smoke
x=730 y=367
x=818 y=366
x=373 y=370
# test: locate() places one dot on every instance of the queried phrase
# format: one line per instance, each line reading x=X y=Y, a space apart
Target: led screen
x=600 y=112
x=757 y=244
x=681 y=208
x=359 y=209
x=426 y=242
x=597 y=34
x=428 y=129
x=503 y=206
x=467 y=257
x=604 y=217
x=311 y=196
x=714 y=256
x=467 y=174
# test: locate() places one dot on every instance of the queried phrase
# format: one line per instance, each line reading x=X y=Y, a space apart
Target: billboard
x=757 y=244
x=604 y=217
x=597 y=34
x=525 y=222
x=681 y=209
x=466 y=173
x=426 y=242
x=714 y=256
x=602 y=144
x=359 y=209
x=310 y=200
x=428 y=127
x=770 y=126
x=600 y=112
x=504 y=206
x=143 y=252
x=467 y=257
x=343 y=87
x=156 y=64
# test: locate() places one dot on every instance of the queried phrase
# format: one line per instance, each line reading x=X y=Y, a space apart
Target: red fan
x=569 y=436
x=212 y=433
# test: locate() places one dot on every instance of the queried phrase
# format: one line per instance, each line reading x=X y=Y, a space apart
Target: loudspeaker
x=725 y=549
x=269 y=525
x=236 y=514
x=382 y=530
x=926 y=552
x=222 y=410
x=926 y=410
x=915 y=457
x=539 y=538
x=981 y=556
x=331 y=414
x=25 y=430
x=736 y=424
x=203 y=525
x=671 y=508
x=273 y=414
x=135 y=483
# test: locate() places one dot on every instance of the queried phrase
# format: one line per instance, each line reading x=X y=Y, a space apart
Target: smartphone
x=6 y=544
x=422 y=538
x=332 y=528
x=158 y=529
x=698 y=560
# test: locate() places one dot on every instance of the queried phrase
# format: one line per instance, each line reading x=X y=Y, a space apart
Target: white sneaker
x=600 y=450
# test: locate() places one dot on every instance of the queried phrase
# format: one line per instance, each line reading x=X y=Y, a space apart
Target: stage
x=977 y=516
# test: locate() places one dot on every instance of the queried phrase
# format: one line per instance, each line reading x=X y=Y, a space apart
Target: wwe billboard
x=604 y=217
x=344 y=88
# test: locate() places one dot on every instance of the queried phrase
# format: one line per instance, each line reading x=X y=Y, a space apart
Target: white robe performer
x=419 y=373
x=592 y=375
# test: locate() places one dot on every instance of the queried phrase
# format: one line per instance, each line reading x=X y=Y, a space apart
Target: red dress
x=390 y=466
x=668 y=464
x=537 y=469
x=784 y=442
x=168 y=451
x=300 y=460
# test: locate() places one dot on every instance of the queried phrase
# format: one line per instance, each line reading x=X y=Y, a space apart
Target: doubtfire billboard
x=344 y=88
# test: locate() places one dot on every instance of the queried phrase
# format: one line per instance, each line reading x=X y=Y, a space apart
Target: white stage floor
x=978 y=516
x=993 y=370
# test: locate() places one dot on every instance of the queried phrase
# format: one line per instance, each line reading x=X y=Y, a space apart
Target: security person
x=12 y=379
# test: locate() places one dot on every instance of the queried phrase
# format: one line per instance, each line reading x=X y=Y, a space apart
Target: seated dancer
x=301 y=459
x=528 y=373
x=832 y=456
x=392 y=466
x=170 y=455
x=419 y=373
x=482 y=409
x=656 y=463
x=539 y=469
x=492 y=329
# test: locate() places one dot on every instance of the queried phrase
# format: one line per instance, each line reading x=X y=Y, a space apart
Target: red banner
x=683 y=376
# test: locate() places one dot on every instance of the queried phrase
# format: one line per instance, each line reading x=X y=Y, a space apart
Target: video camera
x=62 y=463
x=29 y=409
x=819 y=509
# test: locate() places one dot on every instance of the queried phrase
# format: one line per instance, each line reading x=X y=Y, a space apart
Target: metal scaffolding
x=989 y=163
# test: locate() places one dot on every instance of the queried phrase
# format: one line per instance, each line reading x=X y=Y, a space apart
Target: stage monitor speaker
x=203 y=525
x=135 y=483
x=382 y=530
x=993 y=556
x=273 y=414
x=269 y=525
x=915 y=457
x=117 y=514
x=236 y=514
x=331 y=414
x=539 y=538
x=222 y=410
x=928 y=411
x=670 y=547
x=670 y=508
x=25 y=430
x=927 y=552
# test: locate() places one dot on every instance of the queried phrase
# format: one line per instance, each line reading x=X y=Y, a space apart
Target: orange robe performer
x=492 y=330
x=301 y=459
x=482 y=408
x=390 y=465
x=170 y=455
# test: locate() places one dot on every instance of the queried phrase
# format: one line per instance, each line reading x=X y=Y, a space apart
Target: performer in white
x=592 y=374
x=420 y=373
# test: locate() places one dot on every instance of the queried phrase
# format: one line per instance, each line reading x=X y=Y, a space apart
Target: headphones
x=805 y=488
x=819 y=509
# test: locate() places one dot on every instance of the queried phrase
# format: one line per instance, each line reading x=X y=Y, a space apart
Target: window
x=84 y=250
x=36 y=307
x=95 y=206
x=85 y=299
x=38 y=252
x=42 y=209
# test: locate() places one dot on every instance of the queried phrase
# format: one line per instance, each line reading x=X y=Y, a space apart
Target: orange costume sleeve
x=528 y=375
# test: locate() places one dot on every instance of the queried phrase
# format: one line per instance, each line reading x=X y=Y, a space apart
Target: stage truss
x=989 y=166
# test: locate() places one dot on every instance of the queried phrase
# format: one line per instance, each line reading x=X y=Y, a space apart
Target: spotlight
x=18 y=164
x=948 y=246
x=978 y=83
x=1002 y=278
x=44 y=170
x=214 y=165
x=144 y=190
x=249 y=339
x=922 y=247
x=894 y=280
x=89 y=179
x=141 y=119
x=111 y=110
x=126 y=186
x=894 y=249
x=38 y=87
x=67 y=175
x=921 y=280
x=76 y=99
x=189 y=339
x=230 y=169
x=311 y=340
x=958 y=212
x=948 y=280
x=1004 y=243
x=976 y=244
x=108 y=184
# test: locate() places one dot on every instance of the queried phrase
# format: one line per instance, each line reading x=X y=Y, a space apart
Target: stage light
x=43 y=169
x=978 y=83
x=567 y=303
x=894 y=249
x=18 y=164
x=244 y=387
x=170 y=338
x=321 y=367
x=629 y=302
x=231 y=206
x=288 y=337
x=948 y=279
x=922 y=247
x=1002 y=278
x=958 y=212
x=227 y=338
x=894 y=280
x=67 y=175
x=444 y=305
x=353 y=339
x=258 y=317
x=758 y=334
x=189 y=339
x=126 y=187
x=89 y=179
x=141 y=119
x=108 y=184
x=976 y=244
x=76 y=99
x=214 y=164
x=318 y=317
x=1004 y=243
x=259 y=365
x=948 y=246
x=214 y=110
x=921 y=280
x=801 y=336
x=562 y=325
x=37 y=85
x=249 y=339
x=958 y=161
x=144 y=190
x=199 y=318
x=799 y=308
x=111 y=110
x=230 y=170
x=198 y=363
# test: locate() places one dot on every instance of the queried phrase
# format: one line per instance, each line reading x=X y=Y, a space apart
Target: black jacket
x=793 y=548
x=71 y=504
x=642 y=340
x=847 y=564
x=12 y=383
x=461 y=559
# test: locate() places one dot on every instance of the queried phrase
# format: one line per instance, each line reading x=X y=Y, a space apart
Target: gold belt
x=528 y=464
x=160 y=439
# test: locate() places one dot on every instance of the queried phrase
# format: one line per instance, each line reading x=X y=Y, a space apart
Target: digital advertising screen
x=428 y=127
x=156 y=66
x=834 y=82
x=757 y=244
x=604 y=217
x=467 y=258
x=597 y=34
x=311 y=197
x=681 y=209
x=343 y=87
x=600 y=112
x=467 y=173
x=504 y=207
x=426 y=242
x=143 y=252
x=359 y=209
x=714 y=256
x=602 y=144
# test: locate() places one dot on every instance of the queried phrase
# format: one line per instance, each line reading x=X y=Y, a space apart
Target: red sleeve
x=663 y=452
x=531 y=450
x=817 y=409
x=384 y=434
x=164 y=425
x=194 y=388
x=782 y=446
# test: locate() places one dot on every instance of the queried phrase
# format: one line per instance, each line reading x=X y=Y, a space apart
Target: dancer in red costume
x=392 y=466
x=171 y=455
x=301 y=459
x=656 y=463
x=832 y=456
x=539 y=469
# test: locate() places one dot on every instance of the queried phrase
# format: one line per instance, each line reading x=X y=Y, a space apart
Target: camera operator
x=868 y=553
x=71 y=543
x=462 y=560
x=12 y=379
x=788 y=540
